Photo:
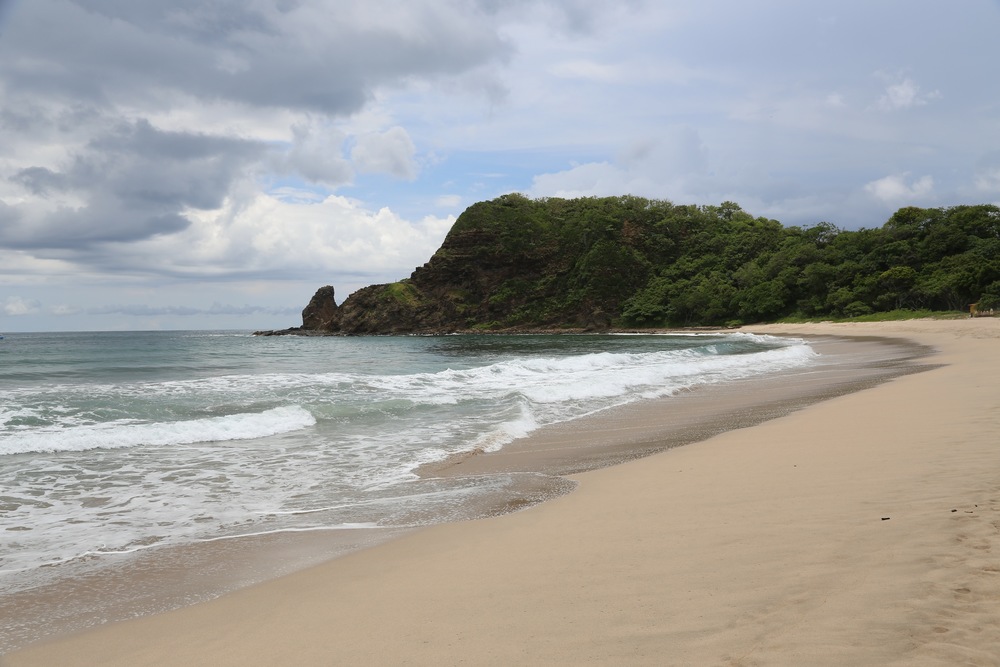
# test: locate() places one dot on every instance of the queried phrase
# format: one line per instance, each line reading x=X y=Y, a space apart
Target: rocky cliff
x=591 y=264
x=503 y=266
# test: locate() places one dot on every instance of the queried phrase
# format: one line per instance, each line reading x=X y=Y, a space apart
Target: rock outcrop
x=321 y=311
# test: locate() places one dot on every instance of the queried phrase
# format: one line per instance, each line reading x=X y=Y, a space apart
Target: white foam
x=126 y=433
x=508 y=432
x=350 y=525
x=374 y=430
x=601 y=375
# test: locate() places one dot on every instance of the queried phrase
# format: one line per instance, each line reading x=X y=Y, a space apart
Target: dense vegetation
x=515 y=262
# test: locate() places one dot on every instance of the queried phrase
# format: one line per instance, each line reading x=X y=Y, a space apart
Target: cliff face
x=321 y=311
x=502 y=266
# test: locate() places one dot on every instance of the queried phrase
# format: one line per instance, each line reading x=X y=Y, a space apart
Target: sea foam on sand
x=860 y=530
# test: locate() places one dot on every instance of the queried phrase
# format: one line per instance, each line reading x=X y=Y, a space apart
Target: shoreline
x=646 y=428
x=429 y=541
x=162 y=579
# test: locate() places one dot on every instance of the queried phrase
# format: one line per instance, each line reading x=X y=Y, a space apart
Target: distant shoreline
x=516 y=331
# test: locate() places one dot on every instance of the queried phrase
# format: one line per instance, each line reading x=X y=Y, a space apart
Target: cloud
x=265 y=236
x=988 y=181
x=128 y=183
x=15 y=305
x=63 y=309
x=835 y=100
x=587 y=70
x=325 y=56
x=565 y=16
x=658 y=166
x=40 y=180
x=122 y=119
x=143 y=310
x=894 y=189
x=592 y=179
x=987 y=174
x=288 y=235
x=391 y=152
x=904 y=94
x=448 y=201
x=317 y=154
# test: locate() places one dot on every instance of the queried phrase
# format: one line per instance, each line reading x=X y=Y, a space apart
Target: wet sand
x=641 y=429
x=855 y=530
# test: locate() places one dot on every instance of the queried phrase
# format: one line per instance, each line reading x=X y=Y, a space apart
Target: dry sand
x=862 y=530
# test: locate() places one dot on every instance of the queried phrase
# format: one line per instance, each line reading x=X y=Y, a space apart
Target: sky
x=208 y=164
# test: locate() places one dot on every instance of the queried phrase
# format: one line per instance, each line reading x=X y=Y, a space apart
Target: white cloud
x=317 y=154
x=904 y=94
x=989 y=181
x=448 y=201
x=294 y=238
x=391 y=152
x=894 y=189
x=585 y=180
x=657 y=166
x=986 y=178
x=836 y=100
x=21 y=269
x=15 y=305
x=586 y=69
x=291 y=195
x=64 y=309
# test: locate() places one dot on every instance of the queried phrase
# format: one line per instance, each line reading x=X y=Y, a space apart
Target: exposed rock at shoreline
x=321 y=311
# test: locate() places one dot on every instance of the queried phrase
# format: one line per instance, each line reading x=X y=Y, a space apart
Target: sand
x=860 y=530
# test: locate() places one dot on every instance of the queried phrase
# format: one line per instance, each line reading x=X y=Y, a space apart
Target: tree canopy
x=627 y=261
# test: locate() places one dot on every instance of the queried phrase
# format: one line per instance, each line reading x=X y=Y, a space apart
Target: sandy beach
x=863 y=529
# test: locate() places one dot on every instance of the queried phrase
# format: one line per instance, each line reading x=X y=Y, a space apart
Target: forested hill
x=595 y=263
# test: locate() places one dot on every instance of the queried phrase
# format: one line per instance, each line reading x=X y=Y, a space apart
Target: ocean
x=120 y=443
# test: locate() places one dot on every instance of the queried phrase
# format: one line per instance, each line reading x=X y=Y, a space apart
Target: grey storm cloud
x=81 y=77
x=135 y=181
x=145 y=166
x=40 y=180
x=325 y=57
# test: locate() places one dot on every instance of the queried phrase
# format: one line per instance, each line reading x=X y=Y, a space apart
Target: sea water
x=115 y=443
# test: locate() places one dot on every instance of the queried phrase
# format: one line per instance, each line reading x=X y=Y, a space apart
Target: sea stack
x=321 y=311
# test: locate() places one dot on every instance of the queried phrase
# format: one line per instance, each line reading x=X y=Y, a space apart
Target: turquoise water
x=113 y=443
